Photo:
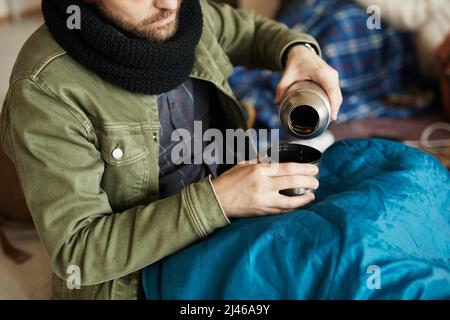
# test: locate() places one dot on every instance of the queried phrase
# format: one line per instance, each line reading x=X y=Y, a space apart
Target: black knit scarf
x=137 y=65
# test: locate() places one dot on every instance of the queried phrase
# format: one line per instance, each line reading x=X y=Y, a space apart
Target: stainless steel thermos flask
x=305 y=110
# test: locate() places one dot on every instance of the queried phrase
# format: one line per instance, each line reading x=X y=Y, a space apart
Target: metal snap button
x=117 y=153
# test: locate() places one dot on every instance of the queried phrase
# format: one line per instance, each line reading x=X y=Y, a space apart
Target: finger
x=335 y=101
x=282 y=87
x=276 y=211
x=289 y=77
x=293 y=182
x=244 y=163
x=293 y=203
x=290 y=168
x=328 y=78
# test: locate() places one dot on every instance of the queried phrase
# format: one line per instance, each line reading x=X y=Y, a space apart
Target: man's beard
x=143 y=29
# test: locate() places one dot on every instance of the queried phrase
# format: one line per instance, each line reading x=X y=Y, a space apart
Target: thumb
x=286 y=81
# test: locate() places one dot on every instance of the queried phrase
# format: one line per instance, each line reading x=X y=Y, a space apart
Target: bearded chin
x=142 y=30
x=156 y=34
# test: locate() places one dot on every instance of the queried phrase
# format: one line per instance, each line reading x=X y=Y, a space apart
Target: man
x=88 y=122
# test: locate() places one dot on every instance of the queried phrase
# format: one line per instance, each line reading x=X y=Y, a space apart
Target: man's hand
x=249 y=190
x=303 y=64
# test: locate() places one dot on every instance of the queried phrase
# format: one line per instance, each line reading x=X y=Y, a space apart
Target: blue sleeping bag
x=379 y=229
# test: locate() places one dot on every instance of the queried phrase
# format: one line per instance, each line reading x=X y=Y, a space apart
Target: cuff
x=204 y=207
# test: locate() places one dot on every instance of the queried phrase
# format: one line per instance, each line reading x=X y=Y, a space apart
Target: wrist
x=219 y=198
x=298 y=48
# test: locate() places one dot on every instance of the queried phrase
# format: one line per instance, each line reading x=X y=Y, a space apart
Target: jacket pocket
x=126 y=153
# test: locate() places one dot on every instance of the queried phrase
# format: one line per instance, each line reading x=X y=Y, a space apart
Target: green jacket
x=60 y=125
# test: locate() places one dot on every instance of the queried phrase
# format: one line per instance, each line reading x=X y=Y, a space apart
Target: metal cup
x=297 y=153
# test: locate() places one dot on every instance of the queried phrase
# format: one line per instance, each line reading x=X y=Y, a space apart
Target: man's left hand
x=303 y=64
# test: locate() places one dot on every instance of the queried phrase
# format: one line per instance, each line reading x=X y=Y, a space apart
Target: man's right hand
x=250 y=190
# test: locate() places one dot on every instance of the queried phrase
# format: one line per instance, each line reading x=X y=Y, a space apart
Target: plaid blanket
x=372 y=63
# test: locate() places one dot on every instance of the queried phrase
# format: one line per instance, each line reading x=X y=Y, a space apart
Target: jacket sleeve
x=251 y=40
x=60 y=171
